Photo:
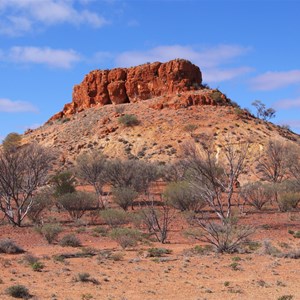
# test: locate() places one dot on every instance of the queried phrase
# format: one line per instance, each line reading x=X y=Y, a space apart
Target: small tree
x=12 y=141
x=64 y=183
x=92 y=169
x=262 y=112
x=22 y=171
x=213 y=179
x=157 y=220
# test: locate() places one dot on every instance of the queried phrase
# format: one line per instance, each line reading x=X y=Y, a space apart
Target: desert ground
x=188 y=272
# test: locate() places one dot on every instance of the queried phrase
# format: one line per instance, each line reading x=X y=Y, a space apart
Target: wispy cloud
x=211 y=59
x=19 y=16
x=275 y=80
x=56 y=58
x=287 y=103
x=7 y=105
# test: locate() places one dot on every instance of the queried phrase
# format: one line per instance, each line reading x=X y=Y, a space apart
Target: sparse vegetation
x=10 y=247
x=18 y=291
x=126 y=237
x=70 y=240
x=128 y=120
x=50 y=232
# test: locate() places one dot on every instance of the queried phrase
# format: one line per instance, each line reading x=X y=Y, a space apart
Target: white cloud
x=218 y=75
x=210 y=59
x=287 y=103
x=275 y=80
x=47 y=56
x=7 y=105
x=18 y=16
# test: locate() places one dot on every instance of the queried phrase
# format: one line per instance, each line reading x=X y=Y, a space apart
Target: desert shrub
x=157 y=221
x=40 y=202
x=286 y=297
x=10 y=247
x=126 y=237
x=86 y=277
x=124 y=196
x=225 y=237
x=269 y=249
x=64 y=183
x=18 y=291
x=158 y=252
x=77 y=203
x=114 y=217
x=50 y=232
x=181 y=196
x=37 y=266
x=30 y=259
x=102 y=231
x=70 y=240
x=257 y=194
x=128 y=120
x=288 y=201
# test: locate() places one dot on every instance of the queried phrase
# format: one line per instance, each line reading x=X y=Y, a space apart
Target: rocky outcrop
x=117 y=86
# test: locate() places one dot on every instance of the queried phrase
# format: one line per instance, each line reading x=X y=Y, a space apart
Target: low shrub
x=40 y=202
x=126 y=237
x=128 y=120
x=77 y=203
x=37 y=266
x=257 y=194
x=10 y=247
x=124 y=196
x=288 y=201
x=18 y=291
x=50 y=232
x=114 y=217
x=158 y=252
x=70 y=240
x=182 y=196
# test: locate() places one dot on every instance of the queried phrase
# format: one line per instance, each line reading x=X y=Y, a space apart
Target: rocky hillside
x=169 y=106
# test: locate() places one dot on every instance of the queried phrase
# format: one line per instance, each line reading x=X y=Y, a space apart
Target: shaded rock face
x=121 y=85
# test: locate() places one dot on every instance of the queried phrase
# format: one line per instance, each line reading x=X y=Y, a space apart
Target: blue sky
x=248 y=49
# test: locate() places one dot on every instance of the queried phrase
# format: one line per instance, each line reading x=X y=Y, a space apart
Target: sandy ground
x=182 y=274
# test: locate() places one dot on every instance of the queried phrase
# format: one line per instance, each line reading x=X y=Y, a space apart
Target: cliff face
x=121 y=85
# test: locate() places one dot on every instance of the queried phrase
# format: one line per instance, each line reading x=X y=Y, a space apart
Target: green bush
x=124 y=196
x=126 y=237
x=158 y=252
x=10 y=247
x=37 y=266
x=114 y=217
x=77 y=203
x=50 y=232
x=70 y=240
x=288 y=201
x=128 y=120
x=181 y=196
x=18 y=291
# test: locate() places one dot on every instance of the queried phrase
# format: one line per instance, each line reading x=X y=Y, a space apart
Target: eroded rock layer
x=121 y=85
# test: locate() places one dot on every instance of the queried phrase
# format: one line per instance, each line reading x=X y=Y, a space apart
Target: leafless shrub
x=257 y=194
x=225 y=237
x=157 y=221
